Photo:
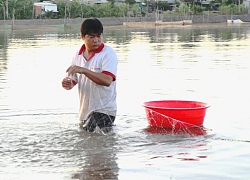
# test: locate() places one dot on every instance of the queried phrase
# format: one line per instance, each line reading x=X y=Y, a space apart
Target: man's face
x=92 y=41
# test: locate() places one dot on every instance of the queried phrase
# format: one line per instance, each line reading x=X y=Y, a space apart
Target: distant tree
x=49 y=14
x=163 y=6
x=75 y=9
x=197 y=9
x=112 y=2
x=13 y=5
x=106 y=9
x=2 y=10
x=122 y=9
x=130 y=2
x=24 y=9
x=135 y=9
x=61 y=8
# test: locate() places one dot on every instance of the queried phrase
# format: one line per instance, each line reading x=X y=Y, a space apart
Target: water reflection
x=186 y=131
x=172 y=144
x=98 y=158
x=3 y=51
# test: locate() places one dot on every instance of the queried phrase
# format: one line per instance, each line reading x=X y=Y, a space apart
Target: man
x=94 y=69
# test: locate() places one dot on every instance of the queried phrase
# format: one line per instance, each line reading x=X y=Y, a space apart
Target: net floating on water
x=175 y=113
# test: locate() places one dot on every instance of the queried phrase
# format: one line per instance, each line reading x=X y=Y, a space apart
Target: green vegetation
x=23 y=9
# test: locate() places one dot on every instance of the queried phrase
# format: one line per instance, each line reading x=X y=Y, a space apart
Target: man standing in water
x=94 y=69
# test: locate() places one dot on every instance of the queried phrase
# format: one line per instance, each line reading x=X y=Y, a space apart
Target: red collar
x=82 y=49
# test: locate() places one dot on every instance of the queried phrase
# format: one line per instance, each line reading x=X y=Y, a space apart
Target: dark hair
x=91 y=26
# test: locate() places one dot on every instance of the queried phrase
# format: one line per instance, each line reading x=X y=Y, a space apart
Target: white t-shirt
x=94 y=97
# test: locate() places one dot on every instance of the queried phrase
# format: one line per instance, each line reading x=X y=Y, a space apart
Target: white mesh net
x=160 y=123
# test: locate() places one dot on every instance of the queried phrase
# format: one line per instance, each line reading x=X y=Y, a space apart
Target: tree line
x=24 y=9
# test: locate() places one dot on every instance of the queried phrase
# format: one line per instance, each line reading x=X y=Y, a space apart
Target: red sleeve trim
x=74 y=82
x=110 y=74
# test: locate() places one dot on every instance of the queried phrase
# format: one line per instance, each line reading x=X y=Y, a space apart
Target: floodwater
x=39 y=134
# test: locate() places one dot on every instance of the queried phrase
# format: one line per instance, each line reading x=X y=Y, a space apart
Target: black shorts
x=97 y=119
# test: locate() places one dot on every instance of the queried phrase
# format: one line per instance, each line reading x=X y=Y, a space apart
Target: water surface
x=39 y=131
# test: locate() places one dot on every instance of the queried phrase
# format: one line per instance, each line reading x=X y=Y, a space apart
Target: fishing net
x=160 y=123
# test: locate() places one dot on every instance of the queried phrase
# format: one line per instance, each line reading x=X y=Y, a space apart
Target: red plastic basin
x=175 y=113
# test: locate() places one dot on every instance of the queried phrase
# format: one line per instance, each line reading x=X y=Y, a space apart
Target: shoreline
x=30 y=24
